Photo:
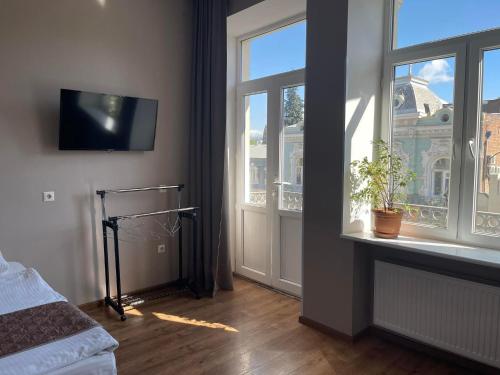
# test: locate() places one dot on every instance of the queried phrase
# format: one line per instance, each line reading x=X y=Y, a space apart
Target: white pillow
x=4 y=266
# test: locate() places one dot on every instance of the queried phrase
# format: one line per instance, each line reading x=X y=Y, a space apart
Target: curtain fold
x=212 y=266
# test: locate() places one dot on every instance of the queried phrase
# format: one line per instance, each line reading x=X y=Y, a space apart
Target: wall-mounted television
x=92 y=121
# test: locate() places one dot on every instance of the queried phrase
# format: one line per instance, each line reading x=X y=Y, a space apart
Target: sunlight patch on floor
x=194 y=322
x=129 y=310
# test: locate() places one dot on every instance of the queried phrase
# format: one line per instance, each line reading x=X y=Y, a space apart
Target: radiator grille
x=456 y=315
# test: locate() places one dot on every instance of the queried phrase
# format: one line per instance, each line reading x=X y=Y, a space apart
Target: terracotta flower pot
x=387 y=223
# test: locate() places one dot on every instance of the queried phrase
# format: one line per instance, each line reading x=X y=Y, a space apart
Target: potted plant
x=382 y=183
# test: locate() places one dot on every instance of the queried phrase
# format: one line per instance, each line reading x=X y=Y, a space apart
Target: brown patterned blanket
x=25 y=329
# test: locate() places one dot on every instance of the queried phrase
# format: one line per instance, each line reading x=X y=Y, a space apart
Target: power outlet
x=161 y=249
x=49 y=196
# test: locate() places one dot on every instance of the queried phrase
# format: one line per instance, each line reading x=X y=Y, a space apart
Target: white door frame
x=273 y=86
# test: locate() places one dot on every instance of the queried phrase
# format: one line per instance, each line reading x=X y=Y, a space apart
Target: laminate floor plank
x=250 y=331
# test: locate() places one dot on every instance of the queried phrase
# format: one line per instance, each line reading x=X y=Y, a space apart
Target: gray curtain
x=212 y=266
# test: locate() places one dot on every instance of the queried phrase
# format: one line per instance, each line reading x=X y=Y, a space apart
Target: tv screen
x=91 y=121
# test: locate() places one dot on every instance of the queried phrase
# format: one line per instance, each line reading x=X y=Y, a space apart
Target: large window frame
x=488 y=40
x=467 y=51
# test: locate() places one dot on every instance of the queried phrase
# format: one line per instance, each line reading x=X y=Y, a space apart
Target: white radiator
x=456 y=315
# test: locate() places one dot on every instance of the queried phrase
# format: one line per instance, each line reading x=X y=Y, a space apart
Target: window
x=277 y=51
x=255 y=107
x=299 y=172
x=420 y=137
x=441 y=19
x=292 y=147
x=442 y=114
x=486 y=220
x=441 y=179
x=271 y=94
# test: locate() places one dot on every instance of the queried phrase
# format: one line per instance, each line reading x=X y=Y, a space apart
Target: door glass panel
x=255 y=109
x=292 y=148
x=422 y=135
x=487 y=215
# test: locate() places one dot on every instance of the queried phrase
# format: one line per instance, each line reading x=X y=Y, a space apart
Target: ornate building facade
x=422 y=135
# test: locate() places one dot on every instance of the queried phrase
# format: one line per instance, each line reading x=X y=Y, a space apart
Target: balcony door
x=270 y=138
x=269 y=209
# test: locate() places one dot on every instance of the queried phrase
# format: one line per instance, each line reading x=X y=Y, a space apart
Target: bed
x=87 y=352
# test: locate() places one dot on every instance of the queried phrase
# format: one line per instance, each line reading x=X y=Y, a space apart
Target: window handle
x=472 y=141
x=281 y=183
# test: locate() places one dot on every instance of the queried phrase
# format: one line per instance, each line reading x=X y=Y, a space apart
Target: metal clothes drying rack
x=181 y=284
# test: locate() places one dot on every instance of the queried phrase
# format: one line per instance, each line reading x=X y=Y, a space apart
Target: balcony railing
x=258 y=198
x=487 y=223
x=426 y=215
x=292 y=201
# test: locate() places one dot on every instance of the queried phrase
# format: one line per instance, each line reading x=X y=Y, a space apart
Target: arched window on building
x=254 y=175
x=441 y=177
x=299 y=171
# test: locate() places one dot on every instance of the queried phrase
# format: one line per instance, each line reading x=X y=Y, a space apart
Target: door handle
x=281 y=183
x=472 y=141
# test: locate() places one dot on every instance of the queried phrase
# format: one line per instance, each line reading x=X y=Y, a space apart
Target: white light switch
x=49 y=196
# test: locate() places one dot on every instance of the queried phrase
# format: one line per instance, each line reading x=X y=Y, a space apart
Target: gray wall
x=238 y=5
x=327 y=260
x=344 y=68
x=336 y=274
x=138 y=48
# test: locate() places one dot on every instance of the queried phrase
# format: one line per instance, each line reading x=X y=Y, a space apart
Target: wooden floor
x=249 y=331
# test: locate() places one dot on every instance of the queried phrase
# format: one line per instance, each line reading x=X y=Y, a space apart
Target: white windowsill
x=455 y=251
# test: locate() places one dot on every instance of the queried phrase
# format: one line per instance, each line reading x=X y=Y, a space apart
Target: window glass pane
x=421 y=21
x=438 y=184
x=487 y=216
x=278 y=51
x=422 y=135
x=292 y=159
x=255 y=148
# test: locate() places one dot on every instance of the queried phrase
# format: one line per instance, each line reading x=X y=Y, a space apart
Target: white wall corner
x=363 y=96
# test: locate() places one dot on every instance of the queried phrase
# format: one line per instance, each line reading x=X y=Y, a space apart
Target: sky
x=440 y=73
x=421 y=21
x=279 y=51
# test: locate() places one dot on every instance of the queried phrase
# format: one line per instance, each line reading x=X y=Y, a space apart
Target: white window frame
x=490 y=40
x=413 y=55
x=260 y=32
x=468 y=57
x=272 y=85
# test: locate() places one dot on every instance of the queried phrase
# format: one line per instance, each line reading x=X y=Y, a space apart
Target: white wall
x=137 y=48
x=363 y=93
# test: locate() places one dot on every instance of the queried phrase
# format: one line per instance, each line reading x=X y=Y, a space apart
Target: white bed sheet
x=99 y=364
x=25 y=289
x=13 y=268
x=57 y=355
